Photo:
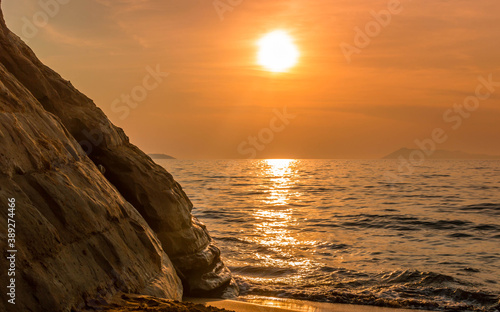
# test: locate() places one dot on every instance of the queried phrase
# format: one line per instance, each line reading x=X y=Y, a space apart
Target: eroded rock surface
x=98 y=215
x=77 y=238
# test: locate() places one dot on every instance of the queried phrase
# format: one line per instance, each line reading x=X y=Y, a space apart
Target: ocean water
x=337 y=231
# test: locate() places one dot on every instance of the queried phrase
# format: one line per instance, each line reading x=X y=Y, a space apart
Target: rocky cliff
x=94 y=215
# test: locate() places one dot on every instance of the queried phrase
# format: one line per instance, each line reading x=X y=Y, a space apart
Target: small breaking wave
x=397 y=289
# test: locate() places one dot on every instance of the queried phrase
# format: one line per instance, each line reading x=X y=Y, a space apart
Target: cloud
x=57 y=35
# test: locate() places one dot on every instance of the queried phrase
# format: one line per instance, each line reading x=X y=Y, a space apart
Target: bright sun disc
x=277 y=52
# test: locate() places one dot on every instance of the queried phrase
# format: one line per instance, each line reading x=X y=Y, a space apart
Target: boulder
x=76 y=238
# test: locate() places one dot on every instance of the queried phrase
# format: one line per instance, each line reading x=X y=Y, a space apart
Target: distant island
x=440 y=154
x=160 y=156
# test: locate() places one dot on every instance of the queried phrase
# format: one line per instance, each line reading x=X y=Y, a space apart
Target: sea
x=340 y=231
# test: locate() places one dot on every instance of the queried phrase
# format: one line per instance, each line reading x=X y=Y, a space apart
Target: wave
x=398 y=289
x=231 y=239
x=490 y=208
x=407 y=223
x=262 y=271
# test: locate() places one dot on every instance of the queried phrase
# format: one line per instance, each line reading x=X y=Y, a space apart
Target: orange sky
x=396 y=90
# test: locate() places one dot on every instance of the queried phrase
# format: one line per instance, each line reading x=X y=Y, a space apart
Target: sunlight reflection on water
x=281 y=176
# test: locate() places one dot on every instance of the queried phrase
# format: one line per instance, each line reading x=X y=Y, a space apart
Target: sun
x=277 y=52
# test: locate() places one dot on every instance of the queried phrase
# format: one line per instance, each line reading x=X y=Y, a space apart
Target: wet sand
x=136 y=303
x=267 y=304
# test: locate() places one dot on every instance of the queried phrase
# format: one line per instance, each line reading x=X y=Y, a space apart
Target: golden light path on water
x=274 y=217
x=281 y=175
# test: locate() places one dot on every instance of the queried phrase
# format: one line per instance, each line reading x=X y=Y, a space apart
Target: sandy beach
x=269 y=304
x=131 y=302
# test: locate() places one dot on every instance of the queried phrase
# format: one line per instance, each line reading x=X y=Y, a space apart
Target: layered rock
x=149 y=188
x=76 y=238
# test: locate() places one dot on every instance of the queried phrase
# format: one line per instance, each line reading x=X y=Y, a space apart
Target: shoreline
x=272 y=304
x=122 y=302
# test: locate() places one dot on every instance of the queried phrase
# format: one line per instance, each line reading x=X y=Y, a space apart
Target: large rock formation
x=76 y=237
x=82 y=234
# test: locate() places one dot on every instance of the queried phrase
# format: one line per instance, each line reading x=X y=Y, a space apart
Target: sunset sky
x=395 y=90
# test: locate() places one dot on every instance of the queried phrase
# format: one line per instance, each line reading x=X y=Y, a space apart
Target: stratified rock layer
x=76 y=237
x=148 y=187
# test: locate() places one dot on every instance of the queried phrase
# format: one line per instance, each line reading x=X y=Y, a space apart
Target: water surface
x=337 y=231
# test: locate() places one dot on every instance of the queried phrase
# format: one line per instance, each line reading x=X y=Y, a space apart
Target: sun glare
x=279 y=167
x=277 y=52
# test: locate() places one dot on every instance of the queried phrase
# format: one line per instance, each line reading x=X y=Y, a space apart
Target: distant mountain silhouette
x=440 y=154
x=160 y=156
